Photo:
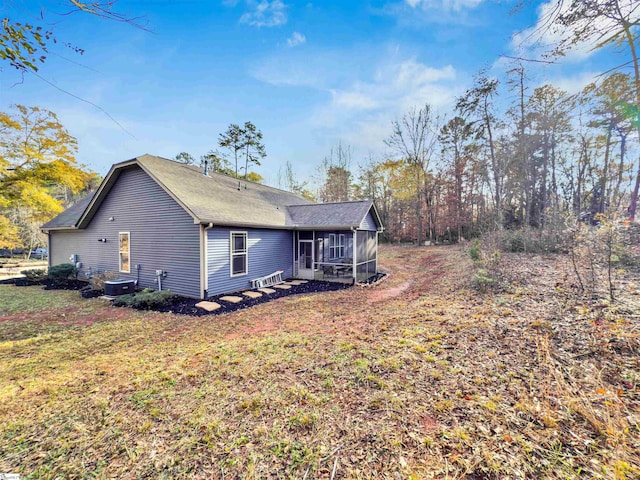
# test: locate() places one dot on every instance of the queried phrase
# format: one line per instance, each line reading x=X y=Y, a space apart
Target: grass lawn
x=419 y=376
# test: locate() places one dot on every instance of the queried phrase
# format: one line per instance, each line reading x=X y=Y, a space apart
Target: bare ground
x=419 y=376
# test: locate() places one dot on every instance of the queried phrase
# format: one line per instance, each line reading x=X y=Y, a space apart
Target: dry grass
x=417 y=377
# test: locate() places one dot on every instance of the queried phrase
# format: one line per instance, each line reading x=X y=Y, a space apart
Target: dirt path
x=417 y=271
x=412 y=273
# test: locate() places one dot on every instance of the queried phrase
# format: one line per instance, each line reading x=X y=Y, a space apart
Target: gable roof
x=220 y=199
x=332 y=215
x=70 y=216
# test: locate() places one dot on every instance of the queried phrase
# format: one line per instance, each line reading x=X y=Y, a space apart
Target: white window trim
x=245 y=253
x=336 y=250
x=120 y=252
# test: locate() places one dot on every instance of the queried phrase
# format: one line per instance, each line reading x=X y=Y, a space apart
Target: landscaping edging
x=184 y=305
x=187 y=306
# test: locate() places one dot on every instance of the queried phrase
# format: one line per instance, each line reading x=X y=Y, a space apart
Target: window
x=239 y=257
x=336 y=245
x=123 y=252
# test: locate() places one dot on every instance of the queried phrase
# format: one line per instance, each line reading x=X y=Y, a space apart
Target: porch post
x=294 y=270
x=355 y=254
x=377 y=233
x=313 y=253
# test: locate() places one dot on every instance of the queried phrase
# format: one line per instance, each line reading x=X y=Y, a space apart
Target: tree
x=457 y=139
x=549 y=121
x=414 y=137
x=293 y=185
x=336 y=183
x=233 y=140
x=216 y=162
x=476 y=104
x=37 y=155
x=186 y=158
x=610 y=116
x=26 y=45
x=254 y=149
x=8 y=233
x=254 y=177
x=603 y=23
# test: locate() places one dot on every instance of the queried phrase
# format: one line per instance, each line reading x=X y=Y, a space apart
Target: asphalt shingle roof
x=340 y=214
x=222 y=200
x=216 y=198
x=70 y=216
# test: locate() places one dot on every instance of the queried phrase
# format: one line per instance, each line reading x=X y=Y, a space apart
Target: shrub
x=147 y=299
x=474 y=250
x=35 y=274
x=482 y=279
x=532 y=240
x=62 y=271
x=91 y=291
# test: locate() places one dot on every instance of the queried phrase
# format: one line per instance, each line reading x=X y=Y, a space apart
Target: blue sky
x=307 y=74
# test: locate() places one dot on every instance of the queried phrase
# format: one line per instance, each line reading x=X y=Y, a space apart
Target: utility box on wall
x=113 y=288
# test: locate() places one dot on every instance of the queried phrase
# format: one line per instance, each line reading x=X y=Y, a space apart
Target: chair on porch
x=346 y=268
x=328 y=271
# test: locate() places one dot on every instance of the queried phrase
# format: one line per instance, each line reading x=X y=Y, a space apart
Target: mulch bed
x=187 y=306
x=48 y=283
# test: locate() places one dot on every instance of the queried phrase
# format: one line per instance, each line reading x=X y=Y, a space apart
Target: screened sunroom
x=336 y=241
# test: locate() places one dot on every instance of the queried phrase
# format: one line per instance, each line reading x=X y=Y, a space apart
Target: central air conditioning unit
x=113 y=288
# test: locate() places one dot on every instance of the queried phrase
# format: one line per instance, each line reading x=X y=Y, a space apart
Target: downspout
x=49 y=249
x=204 y=270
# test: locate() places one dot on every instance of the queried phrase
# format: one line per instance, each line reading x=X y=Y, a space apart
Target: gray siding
x=368 y=223
x=163 y=236
x=268 y=251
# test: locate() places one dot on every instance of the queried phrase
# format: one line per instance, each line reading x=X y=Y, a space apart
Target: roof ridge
x=224 y=175
x=344 y=201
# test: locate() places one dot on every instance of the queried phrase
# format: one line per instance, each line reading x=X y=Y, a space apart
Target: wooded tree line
x=486 y=165
x=524 y=162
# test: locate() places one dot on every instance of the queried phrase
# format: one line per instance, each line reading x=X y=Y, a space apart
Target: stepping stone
x=208 y=306
x=282 y=286
x=267 y=290
x=296 y=282
x=231 y=298
x=252 y=294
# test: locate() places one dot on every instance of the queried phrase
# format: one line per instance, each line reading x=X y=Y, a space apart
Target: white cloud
x=402 y=85
x=358 y=92
x=456 y=5
x=575 y=83
x=417 y=13
x=361 y=112
x=296 y=39
x=265 y=13
x=546 y=34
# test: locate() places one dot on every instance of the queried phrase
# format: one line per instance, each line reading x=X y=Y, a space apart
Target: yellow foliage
x=37 y=156
x=8 y=233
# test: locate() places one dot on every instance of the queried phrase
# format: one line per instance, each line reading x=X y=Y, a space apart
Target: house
x=158 y=221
